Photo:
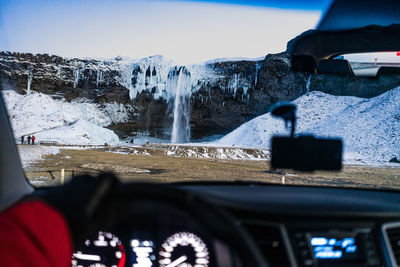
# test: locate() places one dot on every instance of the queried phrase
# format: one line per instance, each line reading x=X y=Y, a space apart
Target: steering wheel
x=143 y=205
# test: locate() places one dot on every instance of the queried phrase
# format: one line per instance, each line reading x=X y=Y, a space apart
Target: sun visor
x=345 y=15
x=325 y=44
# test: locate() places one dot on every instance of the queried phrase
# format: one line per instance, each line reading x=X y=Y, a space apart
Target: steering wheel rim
x=219 y=222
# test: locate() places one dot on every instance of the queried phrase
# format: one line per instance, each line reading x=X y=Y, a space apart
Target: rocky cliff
x=223 y=93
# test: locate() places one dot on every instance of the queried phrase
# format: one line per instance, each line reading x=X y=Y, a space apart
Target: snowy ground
x=370 y=128
x=30 y=154
x=76 y=122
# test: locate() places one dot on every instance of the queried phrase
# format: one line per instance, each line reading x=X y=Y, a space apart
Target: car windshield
x=181 y=91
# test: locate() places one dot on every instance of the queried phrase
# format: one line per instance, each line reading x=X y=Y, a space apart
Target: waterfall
x=258 y=66
x=30 y=76
x=99 y=77
x=308 y=85
x=180 y=80
x=76 y=76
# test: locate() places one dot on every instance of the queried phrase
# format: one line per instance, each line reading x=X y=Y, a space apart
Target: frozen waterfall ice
x=99 y=77
x=180 y=79
x=308 y=85
x=76 y=76
x=28 y=87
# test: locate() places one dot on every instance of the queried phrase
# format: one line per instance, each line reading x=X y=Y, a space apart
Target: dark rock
x=229 y=94
x=394 y=160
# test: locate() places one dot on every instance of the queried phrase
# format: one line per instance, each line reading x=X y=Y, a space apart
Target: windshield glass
x=176 y=91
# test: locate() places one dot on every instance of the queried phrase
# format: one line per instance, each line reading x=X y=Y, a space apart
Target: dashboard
x=146 y=232
x=291 y=226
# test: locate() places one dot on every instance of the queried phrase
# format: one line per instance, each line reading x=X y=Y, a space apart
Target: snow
x=229 y=59
x=141 y=140
x=369 y=127
x=33 y=153
x=79 y=132
x=210 y=152
x=156 y=64
x=38 y=114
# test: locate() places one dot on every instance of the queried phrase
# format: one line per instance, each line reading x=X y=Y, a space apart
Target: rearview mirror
x=303 y=153
x=304 y=63
x=306 y=153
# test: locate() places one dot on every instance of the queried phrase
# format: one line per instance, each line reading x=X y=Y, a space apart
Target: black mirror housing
x=306 y=153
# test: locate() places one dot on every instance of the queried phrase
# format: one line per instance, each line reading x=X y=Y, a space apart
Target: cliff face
x=223 y=94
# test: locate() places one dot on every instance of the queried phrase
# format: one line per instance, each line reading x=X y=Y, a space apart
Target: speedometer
x=183 y=249
x=106 y=250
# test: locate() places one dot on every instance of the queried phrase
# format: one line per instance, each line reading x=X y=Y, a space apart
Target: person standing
x=22 y=139
x=33 y=139
x=29 y=139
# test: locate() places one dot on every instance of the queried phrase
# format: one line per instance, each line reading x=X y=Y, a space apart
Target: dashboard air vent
x=270 y=241
x=393 y=234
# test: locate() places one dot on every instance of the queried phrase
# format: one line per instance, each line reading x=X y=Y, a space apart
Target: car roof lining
x=345 y=15
x=327 y=44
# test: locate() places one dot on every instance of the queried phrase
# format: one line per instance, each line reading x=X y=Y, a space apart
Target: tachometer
x=106 y=250
x=183 y=250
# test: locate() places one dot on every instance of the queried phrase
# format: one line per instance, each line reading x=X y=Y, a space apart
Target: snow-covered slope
x=43 y=116
x=370 y=128
x=80 y=132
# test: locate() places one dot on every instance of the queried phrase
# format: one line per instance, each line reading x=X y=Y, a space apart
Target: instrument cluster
x=180 y=249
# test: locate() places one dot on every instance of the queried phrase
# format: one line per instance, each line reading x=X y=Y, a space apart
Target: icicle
x=99 y=77
x=258 y=66
x=308 y=85
x=30 y=76
x=76 y=75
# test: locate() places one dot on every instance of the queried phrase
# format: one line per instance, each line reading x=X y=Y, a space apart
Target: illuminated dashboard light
x=143 y=249
x=199 y=249
x=167 y=248
x=187 y=244
x=332 y=241
x=100 y=243
x=351 y=249
x=134 y=243
x=347 y=241
x=329 y=254
x=144 y=252
x=201 y=254
x=118 y=254
x=147 y=243
x=201 y=261
x=165 y=261
x=165 y=254
x=319 y=241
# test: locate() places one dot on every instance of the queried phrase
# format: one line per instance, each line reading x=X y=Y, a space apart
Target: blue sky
x=185 y=31
x=282 y=4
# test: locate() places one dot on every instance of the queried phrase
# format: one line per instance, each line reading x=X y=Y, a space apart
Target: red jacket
x=34 y=234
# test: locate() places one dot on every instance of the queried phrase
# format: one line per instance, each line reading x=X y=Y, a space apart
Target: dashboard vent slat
x=270 y=241
x=393 y=235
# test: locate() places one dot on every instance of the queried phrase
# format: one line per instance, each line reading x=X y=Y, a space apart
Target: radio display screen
x=335 y=247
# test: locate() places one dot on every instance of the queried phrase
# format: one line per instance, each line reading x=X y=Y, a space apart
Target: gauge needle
x=87 y=257
x=177 y=261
